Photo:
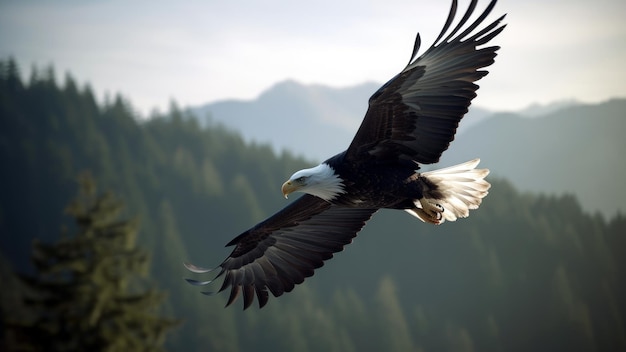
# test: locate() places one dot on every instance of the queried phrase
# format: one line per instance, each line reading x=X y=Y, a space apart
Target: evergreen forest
x=525 y=272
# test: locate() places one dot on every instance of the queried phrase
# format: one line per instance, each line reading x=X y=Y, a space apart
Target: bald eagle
x=411 y=120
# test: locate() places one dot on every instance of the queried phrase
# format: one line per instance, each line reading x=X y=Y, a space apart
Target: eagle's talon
x=432 y=210
x=426 y=217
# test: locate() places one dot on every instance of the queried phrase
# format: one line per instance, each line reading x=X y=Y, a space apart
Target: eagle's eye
x=301 y=179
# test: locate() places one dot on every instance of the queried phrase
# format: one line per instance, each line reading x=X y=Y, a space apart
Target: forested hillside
x=524 y=272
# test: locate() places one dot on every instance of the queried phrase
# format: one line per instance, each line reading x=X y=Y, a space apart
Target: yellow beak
x=288 y=188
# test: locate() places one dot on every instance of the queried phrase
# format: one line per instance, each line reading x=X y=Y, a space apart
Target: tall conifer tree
x=85 y=295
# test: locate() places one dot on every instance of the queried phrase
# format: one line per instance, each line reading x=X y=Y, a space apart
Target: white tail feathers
x=451 y=192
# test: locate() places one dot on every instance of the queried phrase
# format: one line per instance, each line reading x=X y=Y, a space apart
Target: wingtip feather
x=197 y=282
x=197 y=269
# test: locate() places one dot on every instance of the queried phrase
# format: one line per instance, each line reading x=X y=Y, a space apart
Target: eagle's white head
x=320 y=181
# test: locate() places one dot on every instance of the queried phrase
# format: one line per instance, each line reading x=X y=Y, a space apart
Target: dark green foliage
x=524 y=272
x=85 y=295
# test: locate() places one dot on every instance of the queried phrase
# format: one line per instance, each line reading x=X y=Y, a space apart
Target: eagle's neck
x=323 y=182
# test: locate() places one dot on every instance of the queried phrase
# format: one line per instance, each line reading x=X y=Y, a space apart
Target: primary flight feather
x=411 y=120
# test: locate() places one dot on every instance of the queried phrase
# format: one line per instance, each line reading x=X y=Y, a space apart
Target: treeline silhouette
x=524 y=272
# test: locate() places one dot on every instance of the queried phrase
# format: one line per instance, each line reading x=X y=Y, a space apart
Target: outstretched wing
x=415 y=115
x=283 y=250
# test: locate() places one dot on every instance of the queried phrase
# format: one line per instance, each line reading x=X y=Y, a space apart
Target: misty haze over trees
x=527 y=271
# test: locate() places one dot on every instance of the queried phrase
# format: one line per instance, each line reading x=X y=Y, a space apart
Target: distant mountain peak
x=313 y=110
x=282 y=89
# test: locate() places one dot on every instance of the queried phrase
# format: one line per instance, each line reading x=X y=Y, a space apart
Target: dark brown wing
x=415 y=115
x=283 y=250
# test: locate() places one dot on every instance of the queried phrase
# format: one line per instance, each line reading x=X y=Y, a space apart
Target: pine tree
x=85 y=295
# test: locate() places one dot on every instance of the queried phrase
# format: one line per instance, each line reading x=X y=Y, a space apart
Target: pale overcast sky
x=202 y=51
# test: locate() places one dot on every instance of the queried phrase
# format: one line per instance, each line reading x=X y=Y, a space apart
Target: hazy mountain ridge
x=573 y=150
x=290 y=114
x=311 y=112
